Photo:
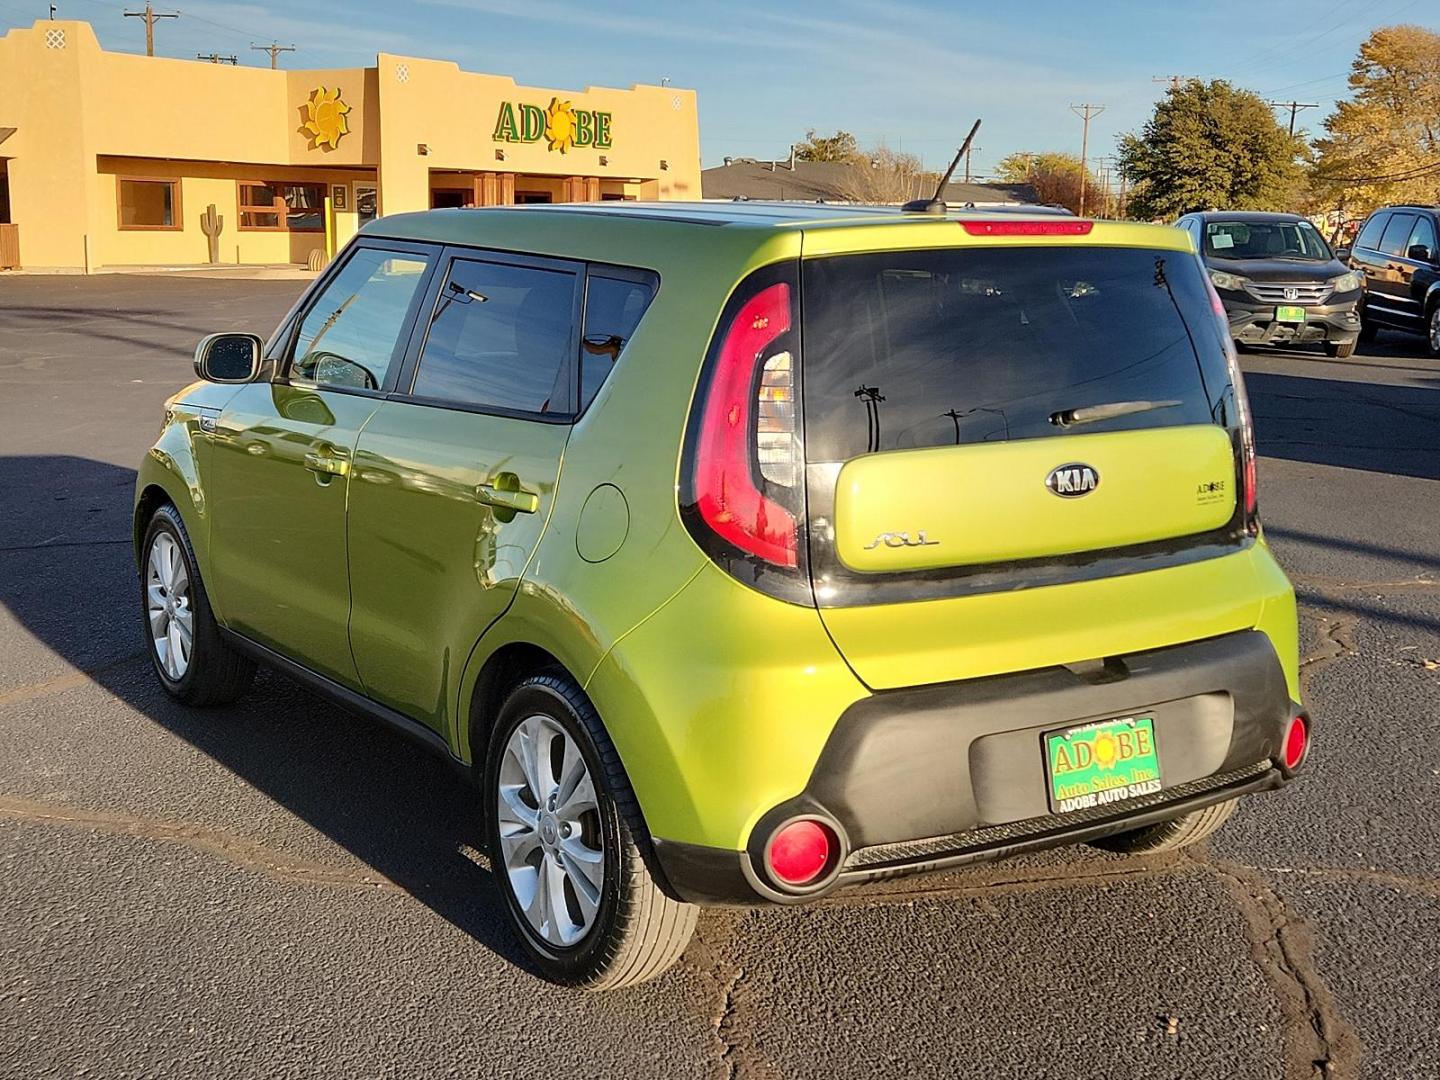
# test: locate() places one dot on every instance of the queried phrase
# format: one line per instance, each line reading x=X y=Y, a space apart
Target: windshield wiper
x=1088 y=414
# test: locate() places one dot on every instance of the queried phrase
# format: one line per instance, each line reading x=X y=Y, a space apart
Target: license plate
x=1103 y=762
x=1290 y=314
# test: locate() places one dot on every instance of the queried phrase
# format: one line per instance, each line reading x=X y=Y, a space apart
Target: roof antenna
x=935 y=204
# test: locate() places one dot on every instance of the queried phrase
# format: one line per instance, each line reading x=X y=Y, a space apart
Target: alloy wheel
x=167 y=604
x=1435 y=330
x=550 y=832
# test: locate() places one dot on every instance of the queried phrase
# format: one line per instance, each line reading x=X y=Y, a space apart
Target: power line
x=150 y=15
x=274 y=49
x=1407 y=174
x=216 y=58
x=1086 y=112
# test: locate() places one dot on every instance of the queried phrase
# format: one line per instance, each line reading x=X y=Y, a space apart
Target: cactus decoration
x=211 y=224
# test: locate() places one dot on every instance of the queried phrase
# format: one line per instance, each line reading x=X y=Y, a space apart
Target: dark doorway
x=450 y=198
x=533 y=197
x=4 y=192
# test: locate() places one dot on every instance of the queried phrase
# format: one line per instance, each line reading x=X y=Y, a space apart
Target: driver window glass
x=351 y=335
x=1423 y=235
x=1393 y=241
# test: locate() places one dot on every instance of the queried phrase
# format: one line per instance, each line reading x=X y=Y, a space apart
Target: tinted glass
x=1423 y=234
x=351 y=336
x=147 y=204
x=1265 y=240
x=1396 y=233
x=937 y=348
x=1370 y=235
x=501 y=336
x=612 y=312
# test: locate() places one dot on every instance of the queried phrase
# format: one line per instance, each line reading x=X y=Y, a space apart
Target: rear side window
x=350 y=337
x=1396 y=233
x=913 y=349
x=613 y=309
x=1370 y=235
x=501 y=337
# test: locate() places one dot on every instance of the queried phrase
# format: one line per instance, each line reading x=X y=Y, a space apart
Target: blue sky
x=910 y=73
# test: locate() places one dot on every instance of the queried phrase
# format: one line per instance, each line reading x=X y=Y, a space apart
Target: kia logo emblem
x=1292 y=293
x=1072 y=480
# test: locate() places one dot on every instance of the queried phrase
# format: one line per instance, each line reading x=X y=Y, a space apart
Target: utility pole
x=1175 y=81
x=1086 y=112
x=150 y=15
x=216 y=58
x=1102 y=172
x=1294 y=107
x=274 y=49
x=968 y=151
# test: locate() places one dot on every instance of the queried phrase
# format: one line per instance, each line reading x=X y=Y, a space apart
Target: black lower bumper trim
x=716 y=876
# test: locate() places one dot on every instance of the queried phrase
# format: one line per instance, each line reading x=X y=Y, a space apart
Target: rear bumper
x=1254 y=323
x=938 y=776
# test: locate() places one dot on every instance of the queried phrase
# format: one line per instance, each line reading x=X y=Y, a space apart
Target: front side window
x=1297 y=240
x=283 y=206
x=1423 y=236
x=613 y=308
x=149 y=204
x=351 y=335
x=501 y=337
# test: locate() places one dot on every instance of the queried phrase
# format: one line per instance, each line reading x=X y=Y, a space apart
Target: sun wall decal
x=323 y=119
x=560 y=125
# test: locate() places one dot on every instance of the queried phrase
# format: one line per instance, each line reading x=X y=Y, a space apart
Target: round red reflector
x=800 y=852
x=1296 y=739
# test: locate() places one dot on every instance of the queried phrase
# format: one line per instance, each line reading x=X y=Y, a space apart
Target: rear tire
x=625 y=932
x=1340 y=350
x=1432 y=329
x=192 y=661
x=1183 y=831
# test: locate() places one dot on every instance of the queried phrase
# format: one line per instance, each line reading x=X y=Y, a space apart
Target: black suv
x=1278 y=279
x=1397 y=254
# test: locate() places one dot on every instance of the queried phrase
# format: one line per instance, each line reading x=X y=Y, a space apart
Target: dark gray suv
x=1278 y=279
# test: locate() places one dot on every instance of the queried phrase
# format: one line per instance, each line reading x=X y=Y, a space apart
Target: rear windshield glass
x=910 y=349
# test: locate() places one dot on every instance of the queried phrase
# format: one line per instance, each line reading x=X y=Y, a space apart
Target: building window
x=149 y=204
x=281 y=206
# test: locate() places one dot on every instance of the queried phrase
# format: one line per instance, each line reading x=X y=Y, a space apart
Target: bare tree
x=884 y=176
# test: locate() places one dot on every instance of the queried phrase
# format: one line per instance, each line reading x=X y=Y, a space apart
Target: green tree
x=841 y=146
x=1383 y=145
x=1211 y=145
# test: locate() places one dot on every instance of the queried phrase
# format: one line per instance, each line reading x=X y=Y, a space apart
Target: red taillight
x=1252 y=498
x=726 y=493
x=1297 y=741
x=1249 y=490
x=800 y=852
x=1047 y=227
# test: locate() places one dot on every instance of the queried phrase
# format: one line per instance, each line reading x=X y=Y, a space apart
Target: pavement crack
x=1320 y=1044
x=1337 y=641
x=236 y=850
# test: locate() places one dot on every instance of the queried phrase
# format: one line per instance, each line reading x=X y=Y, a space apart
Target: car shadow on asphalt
x=1375 y=427
x=408 y=815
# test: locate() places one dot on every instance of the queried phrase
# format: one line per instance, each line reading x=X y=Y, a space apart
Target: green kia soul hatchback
x=743 y=552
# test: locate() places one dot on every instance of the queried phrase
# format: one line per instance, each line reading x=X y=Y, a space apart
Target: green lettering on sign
x=505 y=124
x=532 y=122
x=602 y=131
x=584 y=128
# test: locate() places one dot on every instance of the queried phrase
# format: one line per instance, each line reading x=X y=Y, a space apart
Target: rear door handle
x=327 y=464
x=505 y=493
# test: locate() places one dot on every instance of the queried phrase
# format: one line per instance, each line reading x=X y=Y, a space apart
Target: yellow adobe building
x=110 y=159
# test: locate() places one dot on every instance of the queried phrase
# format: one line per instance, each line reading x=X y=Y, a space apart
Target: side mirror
x=229 y=358
x=1343 y=254
x=1419 y=253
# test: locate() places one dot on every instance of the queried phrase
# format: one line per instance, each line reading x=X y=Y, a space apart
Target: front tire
x=1432 y=330
x=565 y=838
x=1173 y=835
x=1340 y=350
x=191 y=659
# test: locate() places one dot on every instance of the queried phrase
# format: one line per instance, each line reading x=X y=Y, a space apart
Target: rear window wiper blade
x=1089 y=414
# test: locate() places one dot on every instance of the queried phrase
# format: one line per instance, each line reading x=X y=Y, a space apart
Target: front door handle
x=326 y=464
x=505 y=493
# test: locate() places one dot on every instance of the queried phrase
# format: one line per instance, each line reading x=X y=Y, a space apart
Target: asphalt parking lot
x=279 y=889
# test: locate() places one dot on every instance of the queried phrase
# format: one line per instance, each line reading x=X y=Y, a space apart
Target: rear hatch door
x=989 y=420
